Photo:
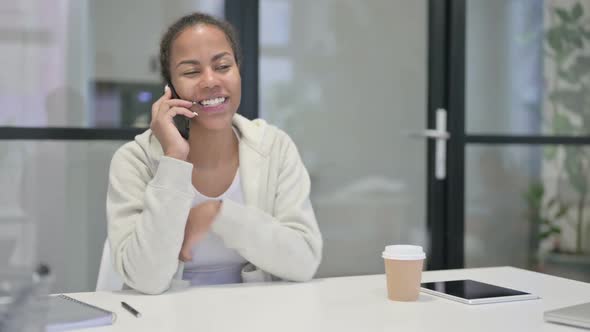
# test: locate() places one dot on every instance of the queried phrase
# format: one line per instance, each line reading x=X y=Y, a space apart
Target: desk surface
x=343 y=304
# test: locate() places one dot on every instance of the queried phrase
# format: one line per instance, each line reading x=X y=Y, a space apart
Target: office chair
x=108 y=278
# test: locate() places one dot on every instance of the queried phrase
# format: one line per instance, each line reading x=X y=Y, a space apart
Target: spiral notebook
x=66 y=313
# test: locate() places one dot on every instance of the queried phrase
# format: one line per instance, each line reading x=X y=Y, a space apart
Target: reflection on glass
x=82 y=63
x=275 y=23
x=52 y=207
x=567 y=68
x=528 y=206
x=124 y=105
x=334 y=77
x=504 y=66
x=527 y=67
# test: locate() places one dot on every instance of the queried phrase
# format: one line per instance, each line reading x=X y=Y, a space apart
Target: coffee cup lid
x=404 y=252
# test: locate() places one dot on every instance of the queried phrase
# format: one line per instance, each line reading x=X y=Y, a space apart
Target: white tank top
x=214 y=263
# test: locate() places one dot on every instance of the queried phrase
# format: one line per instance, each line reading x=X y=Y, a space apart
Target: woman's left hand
x=199 y=222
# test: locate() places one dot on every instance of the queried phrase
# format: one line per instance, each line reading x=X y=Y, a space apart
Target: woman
x=231 y=201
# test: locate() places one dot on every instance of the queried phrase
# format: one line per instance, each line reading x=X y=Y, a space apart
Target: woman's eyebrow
x=187 y=62
x=196 y=62
x=219 y=56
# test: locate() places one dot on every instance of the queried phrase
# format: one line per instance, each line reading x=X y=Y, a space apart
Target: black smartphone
x=181 y=122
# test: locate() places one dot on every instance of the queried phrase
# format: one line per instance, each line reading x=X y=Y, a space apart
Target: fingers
x=167 y=92
x=178 y=103
x=185 y=255
x=185 y=251
x=174 y=111
x=173 y=107
x=163 y=104
x=190 y=239
x=166 y=96
x=166 y=99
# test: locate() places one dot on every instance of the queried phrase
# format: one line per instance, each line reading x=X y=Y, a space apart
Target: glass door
x=349 y=83
x=522 y=87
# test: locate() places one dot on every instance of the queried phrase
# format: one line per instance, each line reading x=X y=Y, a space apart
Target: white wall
x=126 y=35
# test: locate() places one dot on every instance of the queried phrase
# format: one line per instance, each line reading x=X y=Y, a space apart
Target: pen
x=131 y=310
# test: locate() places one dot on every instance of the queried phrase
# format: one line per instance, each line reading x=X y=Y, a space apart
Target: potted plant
x=562 y=197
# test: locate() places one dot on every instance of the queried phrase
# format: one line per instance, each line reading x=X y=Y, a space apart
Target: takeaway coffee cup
x=403 y=270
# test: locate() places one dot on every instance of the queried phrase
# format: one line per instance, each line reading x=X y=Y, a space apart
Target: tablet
x=474 y=292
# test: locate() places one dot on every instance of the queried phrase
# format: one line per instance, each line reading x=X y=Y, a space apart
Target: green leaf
x=582 y=65
x=537 y=191
x=577 y=40
x=562 y=211
x=554 y=39
x=547 y=233
x=533 y=196
x=571 y=99
x=577 y=11
x=569 y=75
x=573 y=36
x=563 y=15
x=585 y=33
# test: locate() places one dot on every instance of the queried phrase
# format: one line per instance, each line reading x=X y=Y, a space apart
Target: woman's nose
x=208 y=79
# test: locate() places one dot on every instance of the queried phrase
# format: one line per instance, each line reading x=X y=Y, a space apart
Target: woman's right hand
x=200 y=219
x=163 y=111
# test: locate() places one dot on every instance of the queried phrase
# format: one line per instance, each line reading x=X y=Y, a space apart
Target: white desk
x=343 y=304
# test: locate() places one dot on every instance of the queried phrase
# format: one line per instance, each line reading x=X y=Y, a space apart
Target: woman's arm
x=146 y=218
x=286 y=244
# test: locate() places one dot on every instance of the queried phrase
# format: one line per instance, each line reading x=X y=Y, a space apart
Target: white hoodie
x=150 y=195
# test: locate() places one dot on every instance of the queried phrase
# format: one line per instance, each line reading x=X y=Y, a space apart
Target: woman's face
x=204 y=70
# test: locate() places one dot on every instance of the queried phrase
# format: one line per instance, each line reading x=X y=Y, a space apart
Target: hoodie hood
x=256 y=135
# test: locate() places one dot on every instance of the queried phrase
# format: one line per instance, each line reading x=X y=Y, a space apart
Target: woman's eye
x=191 y=73
x=223 y=67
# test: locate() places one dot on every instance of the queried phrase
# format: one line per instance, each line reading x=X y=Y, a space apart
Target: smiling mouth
x=212 y=102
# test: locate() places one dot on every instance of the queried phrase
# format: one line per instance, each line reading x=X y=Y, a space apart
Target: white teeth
x=213 y=102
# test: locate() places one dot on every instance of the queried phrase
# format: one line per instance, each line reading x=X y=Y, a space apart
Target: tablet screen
x=470 y=289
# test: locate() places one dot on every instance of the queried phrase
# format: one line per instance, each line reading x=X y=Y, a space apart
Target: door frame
x=445 y=197
x=448 y=28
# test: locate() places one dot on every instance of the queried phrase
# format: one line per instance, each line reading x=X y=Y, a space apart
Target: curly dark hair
x=189 y=21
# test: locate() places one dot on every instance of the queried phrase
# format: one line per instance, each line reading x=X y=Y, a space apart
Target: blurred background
x=350 y=82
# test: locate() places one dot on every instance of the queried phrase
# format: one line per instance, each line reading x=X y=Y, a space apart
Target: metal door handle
x=441 y=135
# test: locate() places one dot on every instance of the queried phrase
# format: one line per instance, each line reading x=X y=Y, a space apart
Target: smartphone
x=181 y=122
